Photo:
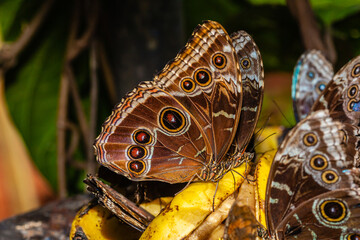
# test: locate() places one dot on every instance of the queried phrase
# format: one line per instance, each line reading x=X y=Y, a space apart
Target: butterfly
x=313 y=189
x=195 y=119
x=311 y=74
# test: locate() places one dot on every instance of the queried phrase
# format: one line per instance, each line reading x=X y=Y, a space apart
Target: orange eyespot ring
x=142 y=136
x=352 y=236
x=356 y=70
x=353 y=90
x=245 y=63
x=202 y=77
x=172 y=120
x=136 y=167
x=333 y=211
x=310 y=139
x=318 y=162
x=187 y=85
x=344 y=136
x=219 y=60
x=329 y=177
x=136 y=152
x=350 y=106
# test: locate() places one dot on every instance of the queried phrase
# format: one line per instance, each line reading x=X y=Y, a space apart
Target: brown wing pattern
x=342 y=93
x=252 y=76
x=309 y=162
x=184 y=121
x=216 y=104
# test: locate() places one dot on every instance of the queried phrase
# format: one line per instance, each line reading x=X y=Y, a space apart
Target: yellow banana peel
x=268 y=149
x=190 y=207
x=96 y=222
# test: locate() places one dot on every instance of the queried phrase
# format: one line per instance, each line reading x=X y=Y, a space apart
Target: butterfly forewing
x=204 y=77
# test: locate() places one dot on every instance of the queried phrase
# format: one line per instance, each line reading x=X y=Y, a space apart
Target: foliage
x=329 y=11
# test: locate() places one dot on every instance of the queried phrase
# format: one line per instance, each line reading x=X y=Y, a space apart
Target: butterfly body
x=183 y=125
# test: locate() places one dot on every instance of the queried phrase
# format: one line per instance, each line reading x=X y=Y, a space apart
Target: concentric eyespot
x=318 y=162
x=136 y=152
x=320 y=86
x=353 y=106
x=202 y=77
x=142 y=136
x=310 y=139
x=353 y=90
x=136 y=167
x=187 y=85
x=329 y=177
x=356 y=70
x=333 y=211
x=172 y=120
x=245 y=63
x=344 y=136
x=311 y=75
x=351 y=236
x=219 y=60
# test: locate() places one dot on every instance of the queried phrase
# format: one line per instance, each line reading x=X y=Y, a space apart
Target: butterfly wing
x=332 y=215
x=252 y=76
x=342 y=96
x=309 y=162
x=241 y=224
x=174 y=127
x=311 y=75
x=215 y=103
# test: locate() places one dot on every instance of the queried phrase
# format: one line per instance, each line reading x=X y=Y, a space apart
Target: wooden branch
x=61 y=133
x=310 y=31
x=10 y=52
x=76 y=46
x=68 y=85
x=107 y=73
x=91 y=164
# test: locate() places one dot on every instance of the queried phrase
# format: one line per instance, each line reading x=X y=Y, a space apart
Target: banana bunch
x=197 y=212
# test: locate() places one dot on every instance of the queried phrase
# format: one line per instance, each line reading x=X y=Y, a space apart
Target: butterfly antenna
x=264 y=125
x=261 y=130
x=187 y=184
x=258 y=143
x=213 y=203
x=282 y=113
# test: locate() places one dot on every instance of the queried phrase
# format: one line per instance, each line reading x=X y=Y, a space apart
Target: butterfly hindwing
x=332 y=215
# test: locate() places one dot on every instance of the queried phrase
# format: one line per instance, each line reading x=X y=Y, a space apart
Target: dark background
x=65 y=64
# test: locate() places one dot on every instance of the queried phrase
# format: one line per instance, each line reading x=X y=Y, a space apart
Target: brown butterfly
x=195 y=119
x=313 y=188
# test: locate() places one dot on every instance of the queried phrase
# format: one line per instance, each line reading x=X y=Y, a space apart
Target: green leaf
x=8 y=12
x=329 y=11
